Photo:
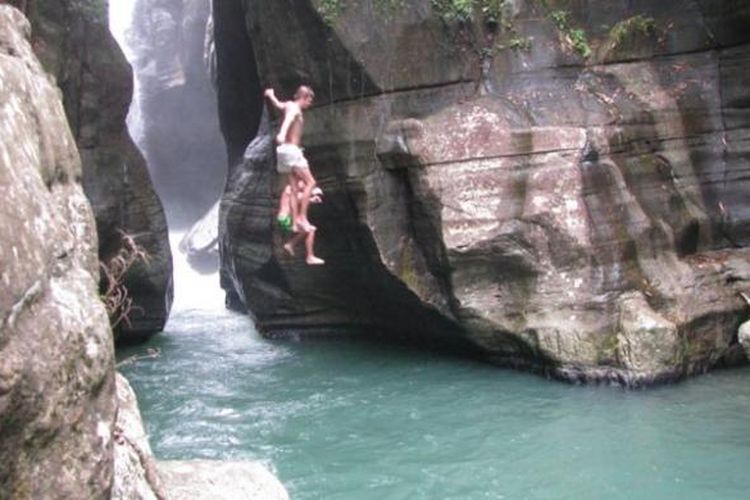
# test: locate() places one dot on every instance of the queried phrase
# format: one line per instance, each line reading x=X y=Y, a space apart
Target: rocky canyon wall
x=560 y=184
x=57 y=404
x=73 y=41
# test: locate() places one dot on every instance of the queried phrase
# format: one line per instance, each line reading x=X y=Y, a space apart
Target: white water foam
x=193 y=290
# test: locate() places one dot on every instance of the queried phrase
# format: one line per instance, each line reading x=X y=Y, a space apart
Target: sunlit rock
x=220 y=480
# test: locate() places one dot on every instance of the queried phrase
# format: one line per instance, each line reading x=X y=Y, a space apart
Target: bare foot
x=314 y=261
x=289 y=248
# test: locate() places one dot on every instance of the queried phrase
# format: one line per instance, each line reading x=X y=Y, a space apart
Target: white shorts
x=289 y=156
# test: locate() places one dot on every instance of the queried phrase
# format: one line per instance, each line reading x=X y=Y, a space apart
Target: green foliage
x=329 y=10
x=632 y=26
x=388 y=7
x=488 y=11
x=486 y=16
x=576 y=37
x=518 y=43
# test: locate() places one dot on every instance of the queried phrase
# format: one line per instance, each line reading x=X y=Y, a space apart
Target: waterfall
x=193 y=290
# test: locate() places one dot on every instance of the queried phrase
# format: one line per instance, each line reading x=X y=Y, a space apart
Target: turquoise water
x=339 y=420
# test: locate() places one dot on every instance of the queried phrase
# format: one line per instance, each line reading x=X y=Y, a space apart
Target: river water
x=348 y=420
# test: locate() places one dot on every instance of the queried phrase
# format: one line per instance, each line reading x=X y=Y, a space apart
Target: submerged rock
x=574 y=208
x=57 y=399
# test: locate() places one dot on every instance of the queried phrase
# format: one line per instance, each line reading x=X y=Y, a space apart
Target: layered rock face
x=57 y=404
x=176 y=105
x=559 y=185
x=73 y=42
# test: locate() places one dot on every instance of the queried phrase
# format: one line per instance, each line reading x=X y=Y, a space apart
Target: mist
x=173 y=116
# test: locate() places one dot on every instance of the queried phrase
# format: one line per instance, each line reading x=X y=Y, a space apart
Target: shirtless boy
x=292 y=163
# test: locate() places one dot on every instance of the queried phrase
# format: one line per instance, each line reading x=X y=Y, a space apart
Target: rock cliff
x=559 y=184
x=72 y=40
x=57 y=404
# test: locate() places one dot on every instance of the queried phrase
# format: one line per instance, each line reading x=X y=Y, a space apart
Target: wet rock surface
x=73 y=42
x=57 y=404
x=573 y=210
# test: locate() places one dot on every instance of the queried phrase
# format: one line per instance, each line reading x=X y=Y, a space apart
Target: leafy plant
x=633 y=25
x=487 y=11
x=518 y=43
x=576 y=37
x=329 y=10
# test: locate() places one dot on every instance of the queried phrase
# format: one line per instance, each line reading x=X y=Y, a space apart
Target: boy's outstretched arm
x=271 y=96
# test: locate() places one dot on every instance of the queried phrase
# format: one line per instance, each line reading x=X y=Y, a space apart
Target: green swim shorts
x=285 y=222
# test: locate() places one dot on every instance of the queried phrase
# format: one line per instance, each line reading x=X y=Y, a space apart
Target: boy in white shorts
x=291 y=162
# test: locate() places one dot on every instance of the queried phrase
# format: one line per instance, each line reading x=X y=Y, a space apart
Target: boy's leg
x=293 y=241
x=305 y=175
x=310 y=257
x=293 y=203
x=284 y=199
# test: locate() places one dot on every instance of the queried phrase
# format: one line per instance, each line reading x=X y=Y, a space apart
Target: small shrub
x=576 y=37
x=486 y=11
x=633 y=25
x=114 y=294
x=329 y=10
